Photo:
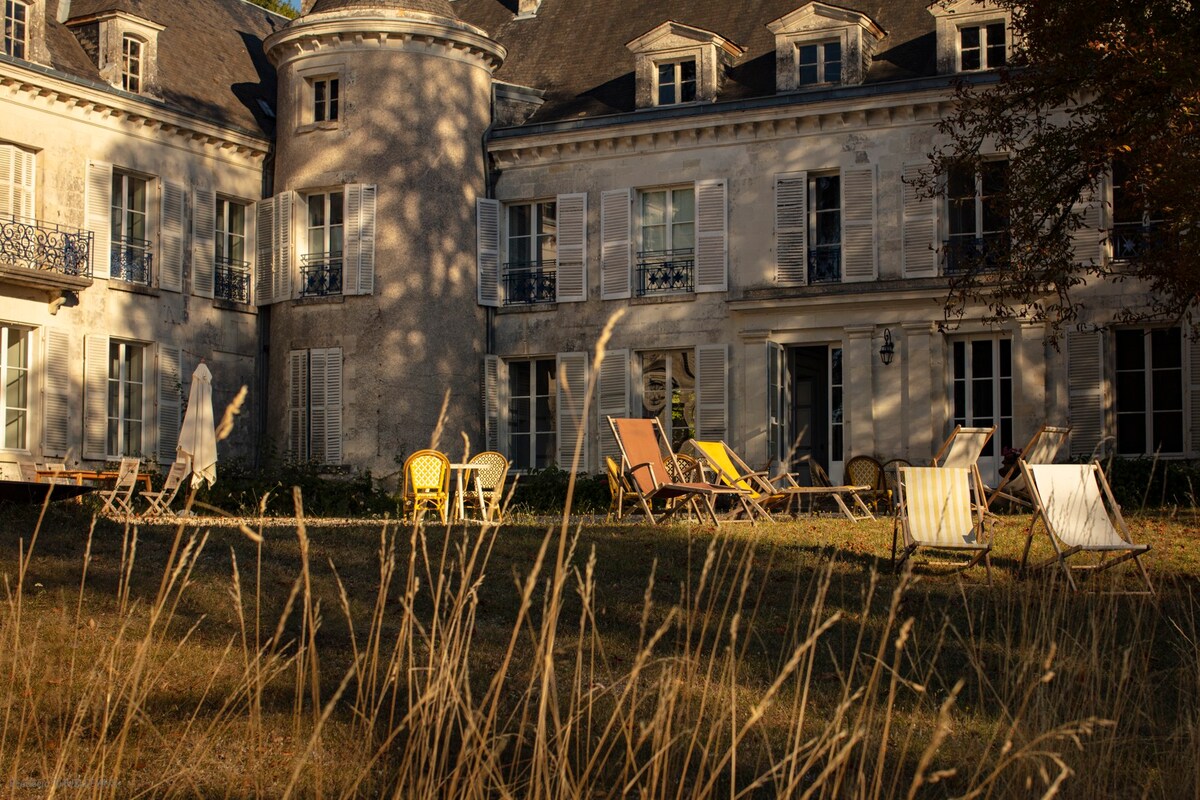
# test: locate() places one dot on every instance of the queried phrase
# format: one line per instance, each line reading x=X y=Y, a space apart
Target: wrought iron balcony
x=825 y=264
x=1131 y=240
x=131 y=261
x=320 y=274
x=966 y=254
x=45 y=247
x=528 y=282
x=665 y=271
x=231 y=280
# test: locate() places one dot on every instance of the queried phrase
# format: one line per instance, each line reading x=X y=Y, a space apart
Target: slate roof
x=575 y=49
x=440 y=7
x=211 y=62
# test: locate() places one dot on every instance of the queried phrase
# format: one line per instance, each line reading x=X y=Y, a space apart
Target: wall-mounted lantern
x=888 y=351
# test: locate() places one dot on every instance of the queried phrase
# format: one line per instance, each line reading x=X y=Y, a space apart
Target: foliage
x=281 y=7
x=1151 y=483
x=544 y=491
x=1089 y=81
x=241 y=487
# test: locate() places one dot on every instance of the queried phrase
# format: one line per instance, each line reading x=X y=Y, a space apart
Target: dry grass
x=591 y=661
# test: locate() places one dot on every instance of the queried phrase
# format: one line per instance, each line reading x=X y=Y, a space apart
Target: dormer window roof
x=972 y=35
x=820 y=45
x=125 y=47
x=677 y=63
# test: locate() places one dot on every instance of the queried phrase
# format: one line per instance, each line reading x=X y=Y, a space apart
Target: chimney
x=528 y=8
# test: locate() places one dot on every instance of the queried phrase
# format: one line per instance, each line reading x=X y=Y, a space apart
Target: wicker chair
x=426 y=484
x=866 y=471
x=489 y=483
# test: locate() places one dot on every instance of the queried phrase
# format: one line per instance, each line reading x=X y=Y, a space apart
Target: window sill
x=657 y=299
x=133 y=288
x=233 y=305
x=319 y=300
x=526 y=308
x=318 y=126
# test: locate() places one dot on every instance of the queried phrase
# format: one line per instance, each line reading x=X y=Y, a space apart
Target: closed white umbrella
x=198 y=437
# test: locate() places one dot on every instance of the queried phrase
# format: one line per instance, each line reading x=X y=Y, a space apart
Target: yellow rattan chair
x=487 y=484
x=426 y=484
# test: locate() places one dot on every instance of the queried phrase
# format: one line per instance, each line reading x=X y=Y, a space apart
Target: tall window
x=837 y=405
x=16 y=16
x=668 y=240
x=1134 y=220
x=14 y=371
x=126 y=364
x=1149 y=391
x=232 y=273
x=529 y=273
x=325 y=99
x=676 y=82
x=983 y=393
x=532 y=412
x=322 y=264
x=820 y=63
x=977 y=234
x=824 y=228
x=982 y=47
x=130 y=248
x=669 y=392
x=132 y=63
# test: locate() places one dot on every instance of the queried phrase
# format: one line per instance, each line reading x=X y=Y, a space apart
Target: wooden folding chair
x=160 y=501
x=941 y=509
x=1042 y=447
x=963 y=447
x=732 y=471
x=119 y=500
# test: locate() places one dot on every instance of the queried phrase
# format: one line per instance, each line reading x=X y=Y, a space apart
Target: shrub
x=544 y=491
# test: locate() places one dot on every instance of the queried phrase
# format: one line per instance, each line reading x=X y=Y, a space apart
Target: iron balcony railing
x=131 y=261
x=528 y=282
x=231 y=280
x=665 y=271
x=825 y=264
x=1131 y=240
x=320 y=274
x=45 y=247
x=969 y=253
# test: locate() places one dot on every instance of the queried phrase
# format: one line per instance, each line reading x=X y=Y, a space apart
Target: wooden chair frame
x=1041 y=448
x=982 y=523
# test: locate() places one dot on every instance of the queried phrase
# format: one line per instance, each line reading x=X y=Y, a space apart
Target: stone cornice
x=58 y=89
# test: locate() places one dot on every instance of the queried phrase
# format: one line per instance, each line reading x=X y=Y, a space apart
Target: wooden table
x=459 y=508
x=78 y=476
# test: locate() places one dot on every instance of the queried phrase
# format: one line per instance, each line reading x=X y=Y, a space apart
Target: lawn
x=370 y=659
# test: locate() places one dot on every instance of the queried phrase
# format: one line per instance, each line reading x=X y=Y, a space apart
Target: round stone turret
x=439 y=7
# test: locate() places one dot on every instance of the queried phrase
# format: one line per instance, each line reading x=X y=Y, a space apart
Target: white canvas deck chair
x=1042 y=447
x=941 y=509
x=119 y=499
x=160 y=501
x=963 y=447
x=1076 y=506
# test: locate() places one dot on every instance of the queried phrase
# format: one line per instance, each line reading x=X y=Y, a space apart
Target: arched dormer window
x=16 y=26
x=133 y=61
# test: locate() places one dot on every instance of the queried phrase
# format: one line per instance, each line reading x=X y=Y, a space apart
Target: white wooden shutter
x=298 y=404
x=612 y=398
x=98 y=216
x=616 y=244
x=56 y=409
x=333 y=405
x=170 y=400
x=491 y=403
x=572 y=396
x=8 y=156
x=487 y=251
x=360 y=239
x=712 y=239
x=281 y=260
x=16 y=181
x=920 y=225
x=776 y=436
x=317 y=431
x=791 y=228
x=264 y=257
x=1085 y=390
x=170 y=237
x=859 y=261
x=95 y=397
x=712 y=392
x=204 y=240
x=1086 y=241
x=571 y=284
x=1193 y=351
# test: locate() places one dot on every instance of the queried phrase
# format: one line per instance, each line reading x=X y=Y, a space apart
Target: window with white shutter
x=95 y=397
x=712 y=236
x=920 y=224
x=572 y=248
x=170 y=401
x=56 y=408
x=298 y=405
x=612 y=398
x=171 y=235
x=712 y=392
x=1086 y=396
x=116 y=400
x=204 y=237
x=531 y=272
x=360 y=239
x=791 y=228
x=616 y=246
x=1148 y=396
x=131 y=258
x=97 y=215
x=17 y=182
x=572 y=398
x=16 y=356
x=487 y=251
x=859 y=260
x=227 y=274
x=528 y=404
x=315 y=405
x=490 y=386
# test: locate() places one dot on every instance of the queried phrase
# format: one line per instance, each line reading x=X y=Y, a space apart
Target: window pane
x=1168 y=432
x=996 y=54
x=316 y=210
x=654 y=208
x=981 y=402
x=518 y=379
x=981 y=358
x=335 y=208
x=546 y=383
x=519 y=418
x=683 y=205
x=1167 y=389
x=1166 y=348
x=1130 y=349
x=1131 y=391
x=833 y=62
x=808 y=74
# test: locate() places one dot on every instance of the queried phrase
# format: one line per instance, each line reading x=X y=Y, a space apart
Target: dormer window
x=819 y=45
x=16 y=25
x=972 y=35
x=132 y=63
x=677 y=82
x=982 y=47
x=325 y=93
x=677 y=63
x=820 y=63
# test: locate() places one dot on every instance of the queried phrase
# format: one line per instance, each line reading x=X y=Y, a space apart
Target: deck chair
x=488 y=481
x=941 y=509
x=160 y=501
x=1042 y=447
x=733 y=472
x=963 y=447
x=426 y=484
x=119 y=500
x=644 y=467
x=1076 y=506
x=822 y=486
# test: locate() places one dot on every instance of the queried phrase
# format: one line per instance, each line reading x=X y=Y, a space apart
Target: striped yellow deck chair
x=941 y=508
x=1077 y=508
x=733 y=472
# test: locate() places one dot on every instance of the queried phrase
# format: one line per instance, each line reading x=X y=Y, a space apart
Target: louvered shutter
x=612 y=398
x=1193 y=351
x=281 y=261
x=1085 y=390
x=775 y=398
x=317 y=430
x=16 y=181
x=298 y=404
x=95 y=397
x=8 y=203
x=572 y=396
x=487 y=251
x=616 y=244
x=98 y=216
x=1086 y=240
x=204 y=240
x=571 y=285
x=920 y=226
x=56 y=414
x=712 y=392
x=491 y=403
x=360 y=239
x=264 y=256
x=170 y=237
x=170 y=390
x=859 y=261
x=333 y=406
x=712 y=240
x=791 y=228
